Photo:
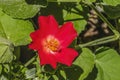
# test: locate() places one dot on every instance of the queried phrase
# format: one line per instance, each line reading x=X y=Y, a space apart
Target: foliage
x=99 y=53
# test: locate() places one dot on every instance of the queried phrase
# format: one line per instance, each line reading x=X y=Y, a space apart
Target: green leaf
x=38 y=67
x=15 y=30
x=112 y=2
x=6 y=51
x=108 y=64
x=30 y=73
x=19 y=8
x=86 y=62
x=92 y=0
x=6 y=69
x=63 y=0
x=54 y=77
x=2 y=34
x=112 y=12
x=2 y=77
x=63 y=74
x=1 y=69
x=49 y=69
x=6 y=54
x=71 y=73
x=37 y=78
x=76 y=15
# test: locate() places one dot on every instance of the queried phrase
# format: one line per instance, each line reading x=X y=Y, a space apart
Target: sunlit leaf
x=92 y=0
x=19 y=8
x=15 y=30
x=2 y=77
x=1 y=69
x=30 y=73
x=63 y=74
x=37 y=78
x=76 y=15
x=6 y=51
x=112 y=2
x=86 y=62
x=108 y=64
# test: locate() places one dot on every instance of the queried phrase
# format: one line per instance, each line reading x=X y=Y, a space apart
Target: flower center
x=52 y=44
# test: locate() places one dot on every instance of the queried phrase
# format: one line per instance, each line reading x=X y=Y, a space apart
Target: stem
x=34 y=24
x=30 y=61
x=105 y=39
x=98 y=41
x=118 y=28
x=105 y=20
x=10 y=65
x=26 y=64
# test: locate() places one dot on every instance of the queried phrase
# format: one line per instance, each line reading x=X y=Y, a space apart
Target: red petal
x=35 y=35
x=48 y=24
x=47 y=58
x=33 y=46
x=66 y=34
x=66 y=56
x=36 y=40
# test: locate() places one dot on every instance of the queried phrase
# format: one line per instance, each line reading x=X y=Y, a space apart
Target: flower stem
x=30 y=61
x=98 y=41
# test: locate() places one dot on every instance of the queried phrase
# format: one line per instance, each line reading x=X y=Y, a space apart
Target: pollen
x=52 y=44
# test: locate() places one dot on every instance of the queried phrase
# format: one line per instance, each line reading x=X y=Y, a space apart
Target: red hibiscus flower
x=51 y=42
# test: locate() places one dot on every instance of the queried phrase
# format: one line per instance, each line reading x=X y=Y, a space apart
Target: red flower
x=51 y=42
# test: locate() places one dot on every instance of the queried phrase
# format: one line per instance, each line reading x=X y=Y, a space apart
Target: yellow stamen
x=51 y=44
